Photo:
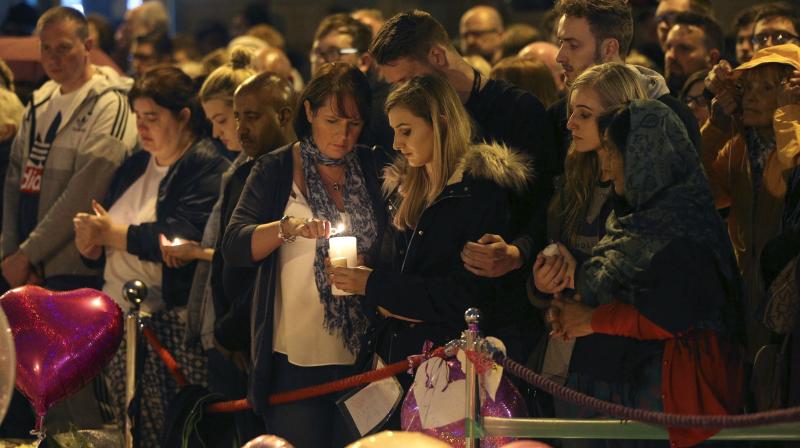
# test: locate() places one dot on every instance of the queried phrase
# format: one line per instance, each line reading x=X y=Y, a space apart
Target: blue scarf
x=668 y=198
x=343 y=314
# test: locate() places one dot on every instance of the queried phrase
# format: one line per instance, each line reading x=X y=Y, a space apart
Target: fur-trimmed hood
x=495 y=162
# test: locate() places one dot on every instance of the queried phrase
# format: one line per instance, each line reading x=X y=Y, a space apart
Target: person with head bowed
x=227 y=368
x=160 y=196
x=578 y=211
x=660 y=294
x=301 y=334
x=443 y=192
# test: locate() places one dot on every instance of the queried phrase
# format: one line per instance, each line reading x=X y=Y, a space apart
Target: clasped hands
x=569 y=318
x=91 y=231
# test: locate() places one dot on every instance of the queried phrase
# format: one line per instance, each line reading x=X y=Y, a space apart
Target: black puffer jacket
x=421 y=275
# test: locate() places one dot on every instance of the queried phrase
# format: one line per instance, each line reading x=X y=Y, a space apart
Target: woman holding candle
x=444 y=192
x=165 y=191
x=301 y=334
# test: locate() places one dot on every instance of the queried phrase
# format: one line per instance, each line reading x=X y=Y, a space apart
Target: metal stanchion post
x=135 y=291
x=472 y=317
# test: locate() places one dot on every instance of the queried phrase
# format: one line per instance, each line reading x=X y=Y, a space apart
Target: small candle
x=344 y=251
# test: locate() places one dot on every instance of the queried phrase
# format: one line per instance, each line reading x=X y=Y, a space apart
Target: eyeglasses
x=777 y=38
x=333 y=54
x=477 y=34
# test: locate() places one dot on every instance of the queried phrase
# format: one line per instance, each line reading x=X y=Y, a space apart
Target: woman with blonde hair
x=528 y=74
x=444 y=192
x=226 y=368
x=577 y=213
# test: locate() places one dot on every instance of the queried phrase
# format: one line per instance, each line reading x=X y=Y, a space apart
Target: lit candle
x=343 y=251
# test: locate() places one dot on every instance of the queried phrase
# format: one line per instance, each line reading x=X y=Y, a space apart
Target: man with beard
x=695 y=42
x=481 y=31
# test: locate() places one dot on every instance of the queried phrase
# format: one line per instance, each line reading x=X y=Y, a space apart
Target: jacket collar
x=497 y=163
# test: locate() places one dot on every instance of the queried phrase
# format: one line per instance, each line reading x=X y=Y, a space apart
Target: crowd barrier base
x=554 y=428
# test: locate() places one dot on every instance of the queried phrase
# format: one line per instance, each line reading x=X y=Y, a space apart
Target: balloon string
x=39 y=431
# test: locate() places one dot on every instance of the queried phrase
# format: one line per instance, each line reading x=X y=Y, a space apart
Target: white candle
x=343 y=247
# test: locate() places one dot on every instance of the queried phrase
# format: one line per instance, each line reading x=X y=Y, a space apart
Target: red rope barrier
x=165 y=356
x=328 y=388
x=292 y=395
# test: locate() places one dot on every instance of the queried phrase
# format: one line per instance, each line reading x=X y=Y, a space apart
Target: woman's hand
x=178 y=255
x=572 y=265
x=491 y=256
x=307 y=228
x=553 y=273
x=719 y=77
x=86 y=237
x=350 y=280
x=790 y=90
x=570 y=318
x=550 y=273
x=91 y=231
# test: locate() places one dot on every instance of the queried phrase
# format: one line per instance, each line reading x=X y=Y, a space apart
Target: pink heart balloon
x=62 y=339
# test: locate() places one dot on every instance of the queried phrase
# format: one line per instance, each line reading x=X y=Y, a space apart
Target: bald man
x=547 y=53
x=481 y=30
x=271 y=59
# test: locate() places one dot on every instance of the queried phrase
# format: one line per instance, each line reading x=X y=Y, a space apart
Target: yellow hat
x=788 y=54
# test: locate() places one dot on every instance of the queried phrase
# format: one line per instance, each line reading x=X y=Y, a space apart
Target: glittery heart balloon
x=267 y=441
x=7 y=365
x=438 y=405
x=62 y=340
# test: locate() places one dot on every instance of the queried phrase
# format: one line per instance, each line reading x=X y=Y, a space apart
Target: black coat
x=232 y=286
x=263 y=200
x=421 y=275
x=186 y=196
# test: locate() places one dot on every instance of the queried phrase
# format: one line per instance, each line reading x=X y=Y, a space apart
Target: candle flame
x=338 y=229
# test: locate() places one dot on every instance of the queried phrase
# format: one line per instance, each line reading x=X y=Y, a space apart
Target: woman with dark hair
x=160 y=196
x=301 y=334
x=660 y=294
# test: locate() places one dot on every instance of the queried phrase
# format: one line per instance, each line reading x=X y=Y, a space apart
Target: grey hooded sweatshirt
x=85 y=152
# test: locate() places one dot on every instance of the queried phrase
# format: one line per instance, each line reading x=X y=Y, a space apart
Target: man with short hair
x=340 y=37
x=694 y=43
x=263 y=108
x=78 y=128
x=149 y=50
x=592 y=32
x=668 y=9
x=76 y=131
x=413 y=43
x=775 y=24
x=481 y=32
x=744 y=25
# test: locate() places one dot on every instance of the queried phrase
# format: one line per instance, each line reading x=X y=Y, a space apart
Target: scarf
x=667 y=198
x=343 y=314
x=758 y=151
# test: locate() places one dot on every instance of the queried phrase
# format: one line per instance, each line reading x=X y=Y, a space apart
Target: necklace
x=336 y=184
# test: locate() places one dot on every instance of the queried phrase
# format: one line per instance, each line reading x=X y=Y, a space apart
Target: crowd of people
x=631 y=234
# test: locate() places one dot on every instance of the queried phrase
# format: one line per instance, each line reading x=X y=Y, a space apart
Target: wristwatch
x=281 y=234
